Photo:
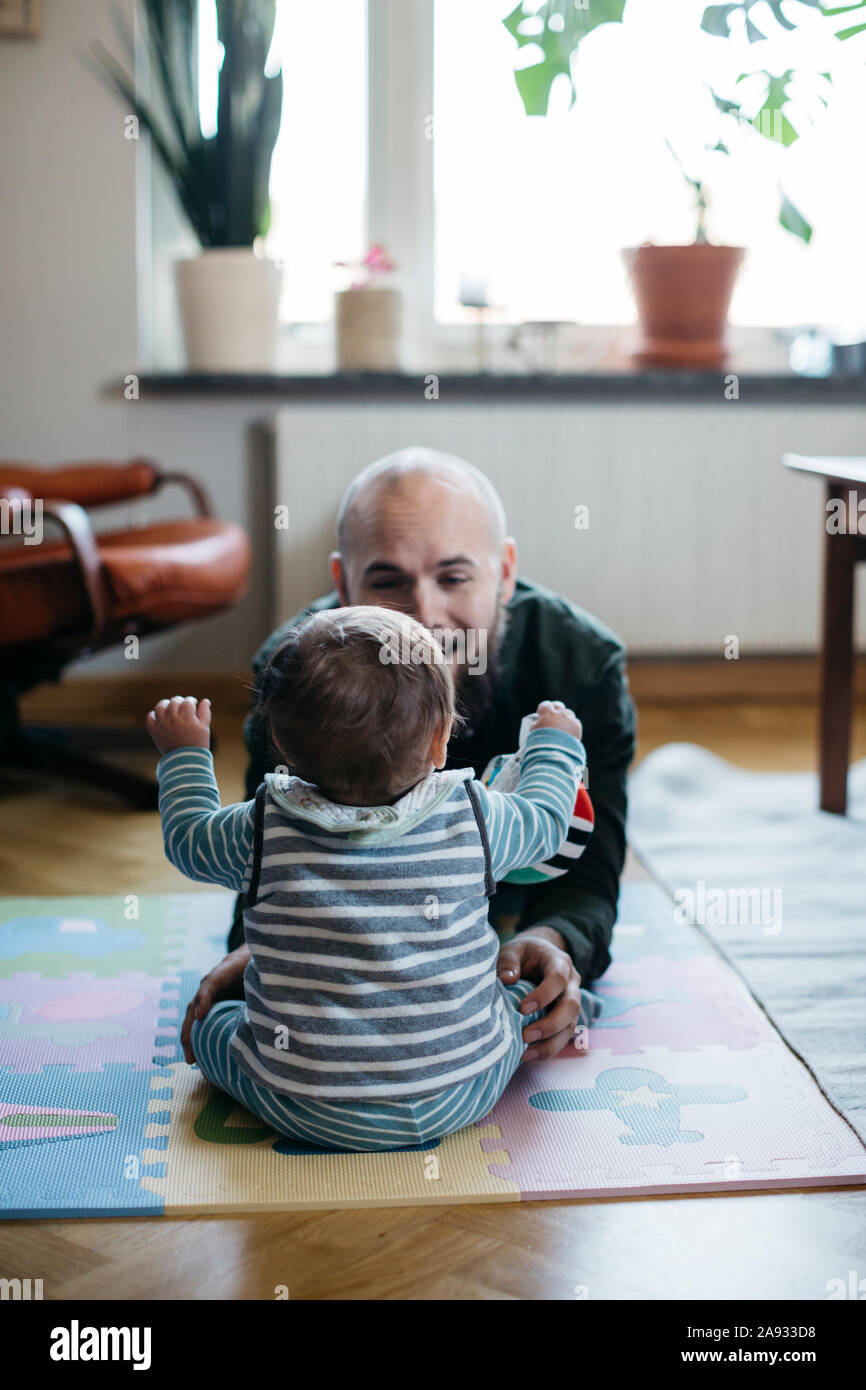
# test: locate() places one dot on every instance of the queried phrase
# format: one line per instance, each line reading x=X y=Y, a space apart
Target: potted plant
x=368 y=317
x=228 y=294
x=683 y=293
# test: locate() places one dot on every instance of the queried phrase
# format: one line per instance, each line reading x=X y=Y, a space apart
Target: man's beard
x=475 y=692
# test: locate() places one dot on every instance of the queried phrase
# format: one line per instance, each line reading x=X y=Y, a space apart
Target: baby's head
x=359 y=701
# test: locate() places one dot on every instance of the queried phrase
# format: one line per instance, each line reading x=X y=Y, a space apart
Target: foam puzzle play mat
x=686 y=1086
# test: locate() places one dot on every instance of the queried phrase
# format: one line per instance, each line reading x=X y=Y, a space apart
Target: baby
x=373 y=1017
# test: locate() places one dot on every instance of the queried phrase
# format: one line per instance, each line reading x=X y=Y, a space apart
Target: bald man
x=425 y=533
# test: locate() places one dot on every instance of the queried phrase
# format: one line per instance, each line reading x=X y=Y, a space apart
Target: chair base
x=63 y=752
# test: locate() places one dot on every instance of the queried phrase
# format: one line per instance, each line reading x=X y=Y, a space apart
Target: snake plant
x=222 y=180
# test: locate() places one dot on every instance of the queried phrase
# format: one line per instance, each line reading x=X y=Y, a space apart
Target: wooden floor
x=750 y=1247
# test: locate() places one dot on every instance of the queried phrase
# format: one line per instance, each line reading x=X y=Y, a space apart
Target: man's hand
x=539 y=955
x=180 y=723
x=225 y=981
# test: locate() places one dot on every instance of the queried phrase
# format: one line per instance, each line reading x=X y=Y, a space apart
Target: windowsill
x=556 y=362
x=672 y=384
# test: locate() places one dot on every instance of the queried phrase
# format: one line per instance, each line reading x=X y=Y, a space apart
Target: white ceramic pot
x=229 y=299
x=369 y=325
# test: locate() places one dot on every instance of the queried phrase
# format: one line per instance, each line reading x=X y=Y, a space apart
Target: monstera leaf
x=770 y=119
x=849 y=9
x=793 y=220
x=557 y=28
x=717 y=18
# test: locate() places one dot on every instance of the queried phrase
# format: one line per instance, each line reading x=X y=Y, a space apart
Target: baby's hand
x=552 y=714
x=180 y=723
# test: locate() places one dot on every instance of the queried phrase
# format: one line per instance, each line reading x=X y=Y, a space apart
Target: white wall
x=67 y=241
x=74 y=317
x=696 y=532
x=69 y=310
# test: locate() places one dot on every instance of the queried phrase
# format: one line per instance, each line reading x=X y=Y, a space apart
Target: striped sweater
x=372 y=963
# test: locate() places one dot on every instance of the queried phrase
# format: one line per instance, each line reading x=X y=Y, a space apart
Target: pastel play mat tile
x=686 y=1086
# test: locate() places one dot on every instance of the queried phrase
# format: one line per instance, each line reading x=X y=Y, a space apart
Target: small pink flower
x=376 y=262
x=377 y=259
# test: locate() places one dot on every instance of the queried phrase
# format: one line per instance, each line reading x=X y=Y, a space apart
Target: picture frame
x=20 y=19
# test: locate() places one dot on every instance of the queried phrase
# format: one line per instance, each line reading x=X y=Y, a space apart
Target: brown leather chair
x=66 y=597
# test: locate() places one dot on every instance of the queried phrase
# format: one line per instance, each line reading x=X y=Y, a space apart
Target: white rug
x=779 y=886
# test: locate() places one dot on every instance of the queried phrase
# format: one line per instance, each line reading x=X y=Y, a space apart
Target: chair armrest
x=75 y=525
x=192 y=486
x=97 y=484
x=88 y=484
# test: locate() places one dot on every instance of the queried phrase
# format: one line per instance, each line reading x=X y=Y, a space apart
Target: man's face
x=422 y=545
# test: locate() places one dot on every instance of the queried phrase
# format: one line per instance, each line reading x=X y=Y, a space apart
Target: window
x=541 y=206
x=319 y=170
x=536 y=210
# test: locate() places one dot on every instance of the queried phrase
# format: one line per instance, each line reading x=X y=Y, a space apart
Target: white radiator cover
x=696 y=531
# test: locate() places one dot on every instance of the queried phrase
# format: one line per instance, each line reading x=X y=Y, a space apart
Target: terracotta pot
x=368 y=324
x=683 y=294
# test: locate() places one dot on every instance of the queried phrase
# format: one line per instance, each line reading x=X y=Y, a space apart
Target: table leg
x=837 y=666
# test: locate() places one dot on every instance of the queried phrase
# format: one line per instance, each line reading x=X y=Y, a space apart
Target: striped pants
x=358 y=1125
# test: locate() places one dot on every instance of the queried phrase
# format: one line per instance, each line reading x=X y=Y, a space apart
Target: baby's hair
x=353 y=699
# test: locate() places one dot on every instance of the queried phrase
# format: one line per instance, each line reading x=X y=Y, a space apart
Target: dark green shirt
x=551 y=651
